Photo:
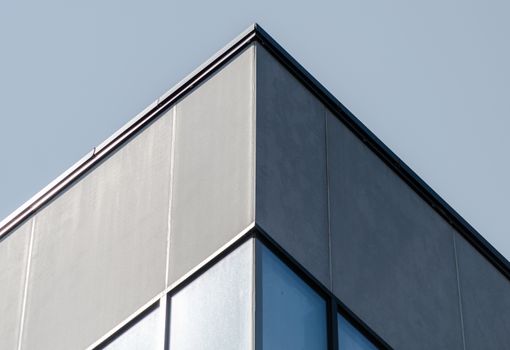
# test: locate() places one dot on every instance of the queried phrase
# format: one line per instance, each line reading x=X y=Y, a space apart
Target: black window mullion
x=332 y=324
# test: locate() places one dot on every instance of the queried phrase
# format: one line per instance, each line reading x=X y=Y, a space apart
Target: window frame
x=333 y=304
x=259 y=309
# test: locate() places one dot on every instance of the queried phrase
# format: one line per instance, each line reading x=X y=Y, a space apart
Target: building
x=247 y=209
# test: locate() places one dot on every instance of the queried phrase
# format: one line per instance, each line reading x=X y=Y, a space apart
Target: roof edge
x=255 y=33
x=387 y=155
x=105 y=148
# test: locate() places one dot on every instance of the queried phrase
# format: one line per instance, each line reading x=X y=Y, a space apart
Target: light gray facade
x=213 y=163
x=14 y=255
x=248 y=149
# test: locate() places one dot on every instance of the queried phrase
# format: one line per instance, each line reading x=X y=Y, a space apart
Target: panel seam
x=254 y=131
x=170 y=194
x=459 y=293
x=25 y=288
x=254 y=193
x=328 y=198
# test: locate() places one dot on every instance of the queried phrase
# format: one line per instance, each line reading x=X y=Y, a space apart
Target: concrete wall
x=14 y=252
x=213 y=184
x=327 y=199
x=392 y=257
x=292 y=198
x=186 y=185
x=100 y=248
x=485 y=295
x=134 y=224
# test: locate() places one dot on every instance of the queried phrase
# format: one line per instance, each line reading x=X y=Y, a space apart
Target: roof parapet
x=255 y=33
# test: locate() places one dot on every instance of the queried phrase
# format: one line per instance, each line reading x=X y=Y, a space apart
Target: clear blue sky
x=430 y=78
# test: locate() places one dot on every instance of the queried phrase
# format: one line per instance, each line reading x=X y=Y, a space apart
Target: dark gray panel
x=213 y=189
x=485 y=295
x=14 y=251
x=99 y=250
x=291 y=166
x=392 y=255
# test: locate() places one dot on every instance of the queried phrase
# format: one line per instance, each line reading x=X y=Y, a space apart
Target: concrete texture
x=393 y=258
x=99 y=249
x=186 y=185
x=291 y=166
x=213 y=186
x=485 y=300
x=14 y=250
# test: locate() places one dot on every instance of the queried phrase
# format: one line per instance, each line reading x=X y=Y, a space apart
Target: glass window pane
x=215 y=310
x=147 y=333
x=349 y=338
x=293 y=314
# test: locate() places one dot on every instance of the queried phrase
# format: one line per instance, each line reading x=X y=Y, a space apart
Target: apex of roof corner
x=256 y=29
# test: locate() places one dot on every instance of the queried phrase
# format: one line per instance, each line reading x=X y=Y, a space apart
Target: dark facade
x=247 y=209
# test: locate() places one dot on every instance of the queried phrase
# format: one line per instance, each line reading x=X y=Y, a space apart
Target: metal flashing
x=334 y=304
x=383 y=152
x=255 y=232
x=256 y=34
x=126 y=132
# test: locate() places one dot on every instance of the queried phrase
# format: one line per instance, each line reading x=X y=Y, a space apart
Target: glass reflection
x=293 y=314
x=147 y=333
x=215 y=310
x=349 y=338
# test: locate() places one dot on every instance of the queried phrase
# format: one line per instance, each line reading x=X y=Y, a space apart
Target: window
x=215 y=310
x=293 y=315
x=147 y=333
x=249 y=295
x=349 y=338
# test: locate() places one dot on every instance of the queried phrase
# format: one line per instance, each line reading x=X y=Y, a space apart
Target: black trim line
x=334 y=304
x=256 y=34
x=384 y=153
x=127 y=326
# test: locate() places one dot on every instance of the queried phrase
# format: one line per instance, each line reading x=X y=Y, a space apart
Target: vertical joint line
x=328 y=197
x=254 y=131
x=25 y=288
x=332 y=336
x=170 y=193
x=459 y=293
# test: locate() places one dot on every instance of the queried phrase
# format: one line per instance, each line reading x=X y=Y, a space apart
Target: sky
x=430 y=78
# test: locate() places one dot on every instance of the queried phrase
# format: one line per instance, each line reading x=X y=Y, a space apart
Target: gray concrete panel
x=393 y=260
x=13 y=265
x=99 y=249
x=291 y=166
x=212 y=191
x=485 y=295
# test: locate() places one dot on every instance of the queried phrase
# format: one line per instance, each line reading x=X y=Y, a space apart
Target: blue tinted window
x=293 y=314
x=349 y=338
